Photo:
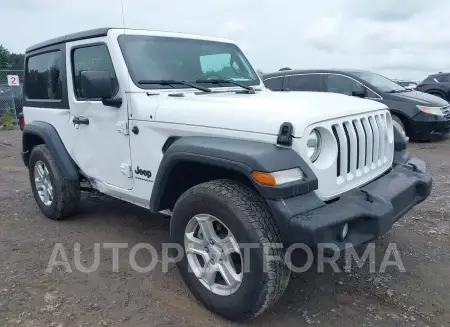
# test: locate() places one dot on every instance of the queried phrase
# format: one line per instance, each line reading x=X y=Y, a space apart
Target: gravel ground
x=29 y=296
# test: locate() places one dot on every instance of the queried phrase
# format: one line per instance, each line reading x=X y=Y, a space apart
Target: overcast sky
x=398 y=38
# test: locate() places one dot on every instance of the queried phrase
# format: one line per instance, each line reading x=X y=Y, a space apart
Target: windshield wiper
x=171 y=82
x=398 y=91
x=221 y=81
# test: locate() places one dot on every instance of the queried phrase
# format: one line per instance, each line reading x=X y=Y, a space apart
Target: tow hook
x=369 y=197
x=413 y=166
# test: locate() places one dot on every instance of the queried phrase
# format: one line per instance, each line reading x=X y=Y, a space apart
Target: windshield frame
x=362 y=76
x=122 y=40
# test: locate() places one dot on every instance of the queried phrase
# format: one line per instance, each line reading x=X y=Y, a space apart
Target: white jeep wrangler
x=178 y=122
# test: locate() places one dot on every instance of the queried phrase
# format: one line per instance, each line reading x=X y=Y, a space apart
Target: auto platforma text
x=326 y=254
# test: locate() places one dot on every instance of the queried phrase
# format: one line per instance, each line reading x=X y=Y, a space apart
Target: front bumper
x=370 y=211
x=426 y=126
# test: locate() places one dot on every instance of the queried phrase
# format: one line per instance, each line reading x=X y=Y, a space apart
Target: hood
x=262 y=112
x=419 y=98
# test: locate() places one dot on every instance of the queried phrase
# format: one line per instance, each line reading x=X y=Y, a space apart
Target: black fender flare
x=241 y=156
x=51 y=138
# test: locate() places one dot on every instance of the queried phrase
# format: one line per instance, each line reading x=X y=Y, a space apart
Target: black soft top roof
x=97 y=32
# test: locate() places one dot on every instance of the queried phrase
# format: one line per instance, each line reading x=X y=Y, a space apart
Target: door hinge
x=126 y=170
x=122 y=127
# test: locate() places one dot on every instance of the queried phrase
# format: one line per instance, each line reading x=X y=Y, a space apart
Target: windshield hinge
x=122 y=127
x=126 y=170
x=285 y=134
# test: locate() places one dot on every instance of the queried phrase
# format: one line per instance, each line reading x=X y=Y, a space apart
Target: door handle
x=80 y=120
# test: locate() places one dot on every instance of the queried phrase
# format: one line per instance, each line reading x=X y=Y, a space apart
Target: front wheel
x=397 y=122
x=226 y=229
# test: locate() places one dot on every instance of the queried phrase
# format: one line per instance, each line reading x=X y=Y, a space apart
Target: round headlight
x=313 y=145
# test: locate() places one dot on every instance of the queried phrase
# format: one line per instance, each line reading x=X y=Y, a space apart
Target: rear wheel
x=223 y=227
x=438 y=94
x=57 y=197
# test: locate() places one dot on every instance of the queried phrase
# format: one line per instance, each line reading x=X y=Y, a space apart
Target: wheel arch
x=437 y=92
x=185 y=171
x=189 y=161
x=406 y=121
x=39 y=132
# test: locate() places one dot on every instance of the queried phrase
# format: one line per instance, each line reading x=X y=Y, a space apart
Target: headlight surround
x=431 y=110
x=314 y=145
x=277 y=178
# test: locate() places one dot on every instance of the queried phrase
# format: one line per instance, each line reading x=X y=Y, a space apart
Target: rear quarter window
x=43 y=76
x=432 y=79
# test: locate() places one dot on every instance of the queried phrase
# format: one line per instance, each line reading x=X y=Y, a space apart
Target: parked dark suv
x=436 y=84
x=417 y=114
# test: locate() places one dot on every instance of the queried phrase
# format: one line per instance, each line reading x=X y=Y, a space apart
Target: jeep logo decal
x=146 y=173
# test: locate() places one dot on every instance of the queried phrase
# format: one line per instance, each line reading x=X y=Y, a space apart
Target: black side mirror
x=361 y=93
x=98 y=85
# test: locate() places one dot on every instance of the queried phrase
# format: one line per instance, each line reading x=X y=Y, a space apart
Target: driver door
x=101 y=145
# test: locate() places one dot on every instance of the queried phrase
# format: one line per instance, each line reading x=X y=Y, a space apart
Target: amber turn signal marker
x=264 y=178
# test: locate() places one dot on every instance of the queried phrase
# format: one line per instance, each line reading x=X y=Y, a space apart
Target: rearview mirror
x=359 y=93
x=96 y=85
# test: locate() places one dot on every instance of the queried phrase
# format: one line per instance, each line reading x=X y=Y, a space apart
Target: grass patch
x=7 y=121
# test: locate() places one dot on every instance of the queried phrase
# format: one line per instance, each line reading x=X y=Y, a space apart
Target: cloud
x=232 y=28
x=403 y=38
x=385 y=10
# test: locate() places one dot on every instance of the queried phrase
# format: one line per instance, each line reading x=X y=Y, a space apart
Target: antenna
x=123 y=14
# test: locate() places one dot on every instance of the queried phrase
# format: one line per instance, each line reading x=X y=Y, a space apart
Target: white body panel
x=101 y=151
x=100 y=148
x=262 y=112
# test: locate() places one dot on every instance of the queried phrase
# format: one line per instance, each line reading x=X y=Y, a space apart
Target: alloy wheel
x=43 y=183
x=213 y=254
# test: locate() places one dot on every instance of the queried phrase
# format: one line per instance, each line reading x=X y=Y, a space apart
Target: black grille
x=446 y=111
x=338 y=167
x=348 y=148
x=357 y=144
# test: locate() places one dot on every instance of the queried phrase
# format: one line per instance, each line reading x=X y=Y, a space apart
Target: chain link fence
x=11 y=102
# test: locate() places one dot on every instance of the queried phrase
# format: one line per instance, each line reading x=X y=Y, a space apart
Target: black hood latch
x=285 y=134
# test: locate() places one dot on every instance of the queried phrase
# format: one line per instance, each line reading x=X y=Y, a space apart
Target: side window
x=447 y=78
x=370 y=94
x=430 y=80
x=307 y=82
x=92 y=58
x=343 y=84
x=274 y=83
x=42 y=76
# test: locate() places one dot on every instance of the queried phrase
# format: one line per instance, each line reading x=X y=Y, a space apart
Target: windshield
x=380 y=82
x=154 y=58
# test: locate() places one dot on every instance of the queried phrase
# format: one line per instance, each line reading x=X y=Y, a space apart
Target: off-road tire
x=247 y=216
x=66 y=193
